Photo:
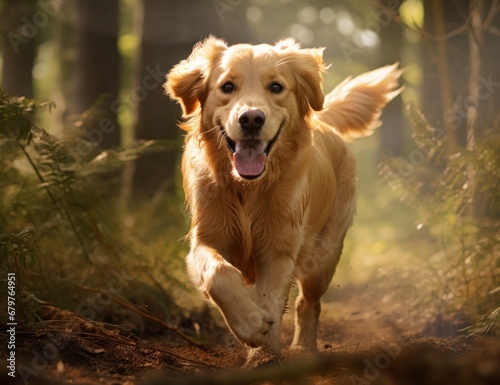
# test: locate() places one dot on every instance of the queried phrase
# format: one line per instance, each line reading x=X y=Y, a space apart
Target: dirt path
x=360 y=342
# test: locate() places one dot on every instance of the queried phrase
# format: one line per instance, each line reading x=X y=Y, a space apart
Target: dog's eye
x=275 y=88
x=228 y=87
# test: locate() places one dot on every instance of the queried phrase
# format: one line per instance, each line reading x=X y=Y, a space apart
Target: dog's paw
x=251 y=326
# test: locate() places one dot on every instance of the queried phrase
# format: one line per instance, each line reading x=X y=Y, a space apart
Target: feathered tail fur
x=354 y=106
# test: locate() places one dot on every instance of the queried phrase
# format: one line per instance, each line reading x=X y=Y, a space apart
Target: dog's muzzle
x=250 y=155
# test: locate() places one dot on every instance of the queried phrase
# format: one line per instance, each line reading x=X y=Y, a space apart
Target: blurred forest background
x=90 y=186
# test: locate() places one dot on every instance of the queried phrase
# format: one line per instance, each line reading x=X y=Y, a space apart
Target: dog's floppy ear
x=187 y=80
x=308 y=66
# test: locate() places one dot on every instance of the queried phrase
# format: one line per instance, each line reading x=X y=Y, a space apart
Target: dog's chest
x=263 y=227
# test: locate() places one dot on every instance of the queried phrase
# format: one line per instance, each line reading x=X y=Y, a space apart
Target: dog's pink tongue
x=248 y=160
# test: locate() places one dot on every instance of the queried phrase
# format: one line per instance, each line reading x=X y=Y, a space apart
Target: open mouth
x=249 y=155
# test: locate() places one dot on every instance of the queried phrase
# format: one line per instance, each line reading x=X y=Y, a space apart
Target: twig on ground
x=173 y=329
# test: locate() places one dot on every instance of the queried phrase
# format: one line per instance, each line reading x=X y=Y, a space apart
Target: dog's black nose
x=252 y=120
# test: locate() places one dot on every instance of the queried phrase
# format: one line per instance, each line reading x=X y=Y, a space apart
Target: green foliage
x=487 y=325
x=456 y=195
x=16 y=134
x=63 y=224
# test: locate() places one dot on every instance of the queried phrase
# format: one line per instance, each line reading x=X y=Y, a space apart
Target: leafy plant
x=62 y=220
x=457 y=197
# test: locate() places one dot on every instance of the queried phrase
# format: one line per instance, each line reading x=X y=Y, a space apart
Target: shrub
x=457 y=197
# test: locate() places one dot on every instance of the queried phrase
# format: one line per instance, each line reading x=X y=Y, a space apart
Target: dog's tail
x=354 y=106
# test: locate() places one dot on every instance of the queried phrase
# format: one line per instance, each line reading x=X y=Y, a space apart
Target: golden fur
x=253 y=235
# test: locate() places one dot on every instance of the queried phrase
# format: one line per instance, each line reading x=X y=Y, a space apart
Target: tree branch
x=173 y=329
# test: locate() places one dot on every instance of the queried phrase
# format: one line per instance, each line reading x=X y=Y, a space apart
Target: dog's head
x=253 y=98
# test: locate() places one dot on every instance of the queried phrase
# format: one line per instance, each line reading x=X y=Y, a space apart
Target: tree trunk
x=445 y=67
x=392 y=129
x=64 y=35
x=488 y=91
x=18 y=50
x=461 y=78
x=97 y=69
x=483 y=100
x=155 y=116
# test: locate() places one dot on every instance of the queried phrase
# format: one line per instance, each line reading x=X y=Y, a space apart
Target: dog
x=269 y=180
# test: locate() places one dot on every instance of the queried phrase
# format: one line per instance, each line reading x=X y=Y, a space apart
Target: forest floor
x=360 y=342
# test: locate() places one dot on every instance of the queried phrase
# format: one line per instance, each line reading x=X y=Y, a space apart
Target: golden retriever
x=269 y=180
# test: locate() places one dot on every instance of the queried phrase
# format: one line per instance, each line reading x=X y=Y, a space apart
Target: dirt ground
x=360 y=342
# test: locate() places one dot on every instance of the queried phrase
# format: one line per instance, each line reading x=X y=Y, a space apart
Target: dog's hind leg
x=317 y=262
x=315 y=274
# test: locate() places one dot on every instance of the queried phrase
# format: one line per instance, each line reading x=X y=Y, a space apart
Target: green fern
x=488 y=325
x=457 y=198
x=59 y=218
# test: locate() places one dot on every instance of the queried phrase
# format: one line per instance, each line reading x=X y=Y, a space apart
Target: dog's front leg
x=274 y=278
x=223 y=284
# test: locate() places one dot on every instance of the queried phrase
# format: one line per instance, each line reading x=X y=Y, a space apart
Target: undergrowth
x=64 y=230
x=456 y=196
